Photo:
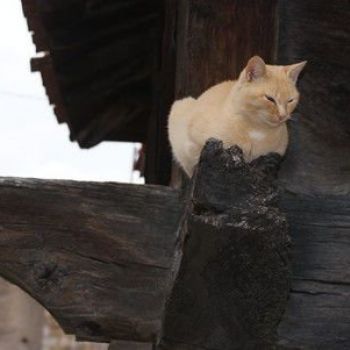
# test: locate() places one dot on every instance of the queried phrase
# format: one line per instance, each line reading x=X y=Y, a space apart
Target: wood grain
x=316 y=174
x=97 y=256
x=216 y=39
x=318 y=32
x=101 y=64
x=233 y=282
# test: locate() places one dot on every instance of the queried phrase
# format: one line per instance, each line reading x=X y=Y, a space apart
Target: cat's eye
x=271 y=99
x=291 y=100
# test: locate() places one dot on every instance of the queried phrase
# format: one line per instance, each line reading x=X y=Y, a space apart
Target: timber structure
x=245 y=259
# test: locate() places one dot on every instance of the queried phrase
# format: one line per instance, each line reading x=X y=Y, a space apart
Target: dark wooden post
x=233 y=283
x=216 y=38
x=158 y=154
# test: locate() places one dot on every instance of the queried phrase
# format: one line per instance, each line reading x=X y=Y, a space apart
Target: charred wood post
x=233 y=283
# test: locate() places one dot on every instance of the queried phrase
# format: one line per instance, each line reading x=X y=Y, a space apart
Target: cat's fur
x=238 y=112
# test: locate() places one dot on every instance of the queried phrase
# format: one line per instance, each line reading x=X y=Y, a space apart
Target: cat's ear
x=255 y=68
x=294 y=70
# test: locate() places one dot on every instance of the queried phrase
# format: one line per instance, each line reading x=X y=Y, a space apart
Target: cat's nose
x=282 y=117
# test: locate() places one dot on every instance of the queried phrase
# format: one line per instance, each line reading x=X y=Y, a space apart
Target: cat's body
x=238 y=113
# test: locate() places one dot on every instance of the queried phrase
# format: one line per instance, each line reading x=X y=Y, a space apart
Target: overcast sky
x=32 y=143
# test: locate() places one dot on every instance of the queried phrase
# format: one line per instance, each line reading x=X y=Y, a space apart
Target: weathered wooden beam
x=96 y=255
x=233 y=283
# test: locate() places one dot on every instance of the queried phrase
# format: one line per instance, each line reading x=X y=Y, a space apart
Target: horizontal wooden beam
x=96 y=255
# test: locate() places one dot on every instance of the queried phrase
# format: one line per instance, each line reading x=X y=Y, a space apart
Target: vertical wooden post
x=158 y=154
x=216 y=38
x=233 y=283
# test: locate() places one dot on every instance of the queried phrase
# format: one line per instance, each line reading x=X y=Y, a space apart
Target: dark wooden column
x=233 y=283
x=216 y=38
x=316 y=174
x=158 y=154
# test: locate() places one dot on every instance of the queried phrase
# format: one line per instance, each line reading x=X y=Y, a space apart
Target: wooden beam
x=96 y=255
x=232 y=286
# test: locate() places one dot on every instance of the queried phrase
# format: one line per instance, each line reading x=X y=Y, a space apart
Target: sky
x=32 y=143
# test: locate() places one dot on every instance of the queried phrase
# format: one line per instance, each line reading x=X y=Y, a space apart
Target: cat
x=250 y=112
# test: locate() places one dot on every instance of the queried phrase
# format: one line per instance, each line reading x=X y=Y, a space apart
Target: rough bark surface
x=233 y=283
x=97 y=256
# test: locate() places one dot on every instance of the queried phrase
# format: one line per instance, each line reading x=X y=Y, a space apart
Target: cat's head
x=267 y=94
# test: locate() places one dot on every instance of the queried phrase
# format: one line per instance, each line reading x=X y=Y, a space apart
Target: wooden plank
x=97 y=255
x=101 y=52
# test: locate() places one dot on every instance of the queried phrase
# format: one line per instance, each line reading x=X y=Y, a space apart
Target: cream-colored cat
x=250 y=112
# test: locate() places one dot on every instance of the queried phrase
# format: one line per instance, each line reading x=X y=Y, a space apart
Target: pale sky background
x=32 y=143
